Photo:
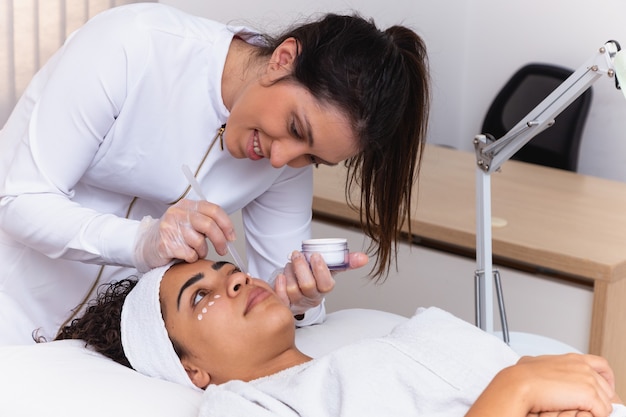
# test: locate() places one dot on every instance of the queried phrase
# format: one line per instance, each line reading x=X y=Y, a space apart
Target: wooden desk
x=559 y=221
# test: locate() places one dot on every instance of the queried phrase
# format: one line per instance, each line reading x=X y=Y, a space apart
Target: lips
x=256 y=296
x=254 y=147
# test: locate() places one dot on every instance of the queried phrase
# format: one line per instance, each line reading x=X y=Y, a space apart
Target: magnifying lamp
x=491 y=153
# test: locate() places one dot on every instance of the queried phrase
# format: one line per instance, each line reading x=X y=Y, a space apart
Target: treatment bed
x=66 y=379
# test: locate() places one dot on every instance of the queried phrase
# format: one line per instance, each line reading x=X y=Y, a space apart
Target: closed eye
x=317 y=161
x=298 y=134
x=294 y=130
x=314 y=161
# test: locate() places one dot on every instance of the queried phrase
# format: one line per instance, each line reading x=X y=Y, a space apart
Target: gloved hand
x=302 y=286
x=181 y=233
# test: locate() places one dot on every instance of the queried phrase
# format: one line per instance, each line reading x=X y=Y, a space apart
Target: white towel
x=434 y=365
x=421 y=368
x=619 y=410
x=144 y=336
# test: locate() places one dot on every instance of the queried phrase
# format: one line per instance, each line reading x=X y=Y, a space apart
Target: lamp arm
x=491 y=153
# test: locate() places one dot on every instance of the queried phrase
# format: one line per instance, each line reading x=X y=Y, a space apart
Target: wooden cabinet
x=535 y=303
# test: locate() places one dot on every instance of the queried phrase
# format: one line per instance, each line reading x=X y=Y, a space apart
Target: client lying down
x=209 y=326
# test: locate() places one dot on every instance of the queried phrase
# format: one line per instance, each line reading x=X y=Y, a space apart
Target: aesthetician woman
x=91 y=186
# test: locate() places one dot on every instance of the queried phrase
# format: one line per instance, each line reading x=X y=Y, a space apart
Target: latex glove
x=302 y=286
x=182 y=233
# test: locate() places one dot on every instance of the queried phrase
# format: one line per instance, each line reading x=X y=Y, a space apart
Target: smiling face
x=280 y=120
x=228 y=325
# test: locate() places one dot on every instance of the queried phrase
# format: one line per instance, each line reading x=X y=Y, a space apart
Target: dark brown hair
x=99 y=326
x=380 y=80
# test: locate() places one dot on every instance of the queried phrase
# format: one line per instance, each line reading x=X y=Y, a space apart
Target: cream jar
x=333 y=250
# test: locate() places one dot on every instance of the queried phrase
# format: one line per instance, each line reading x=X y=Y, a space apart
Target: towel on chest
x=434 y=364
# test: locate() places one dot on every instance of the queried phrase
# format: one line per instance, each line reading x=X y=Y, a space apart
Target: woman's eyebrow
x=218 y=265
x=308 y=134
x=186 y=285
x=308 y=131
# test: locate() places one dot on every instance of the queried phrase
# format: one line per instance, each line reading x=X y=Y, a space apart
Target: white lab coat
x=131 y=97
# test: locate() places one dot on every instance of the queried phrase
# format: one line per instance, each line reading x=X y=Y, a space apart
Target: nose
x=236 y=282
x=284 y=152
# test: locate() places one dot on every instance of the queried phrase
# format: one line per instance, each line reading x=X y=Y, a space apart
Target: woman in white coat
x=91 y=186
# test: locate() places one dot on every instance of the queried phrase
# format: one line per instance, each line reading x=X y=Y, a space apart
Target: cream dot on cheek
x=199 y=316
x=204 y=310
x=217 y=296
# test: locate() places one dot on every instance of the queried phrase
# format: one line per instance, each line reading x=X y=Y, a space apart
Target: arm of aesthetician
x=53 y=138
x=547 y=384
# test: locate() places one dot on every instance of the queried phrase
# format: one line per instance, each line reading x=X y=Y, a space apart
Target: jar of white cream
x=333 y=250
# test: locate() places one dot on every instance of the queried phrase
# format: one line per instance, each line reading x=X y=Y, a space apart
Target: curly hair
x=99 y=326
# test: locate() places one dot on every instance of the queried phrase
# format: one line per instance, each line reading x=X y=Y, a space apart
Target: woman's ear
x=199 y=377
x=283 y=58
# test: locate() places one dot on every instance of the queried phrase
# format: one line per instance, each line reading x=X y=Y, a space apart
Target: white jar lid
x=325 y=241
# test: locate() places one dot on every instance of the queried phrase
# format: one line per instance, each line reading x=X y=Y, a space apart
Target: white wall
x=474 y=47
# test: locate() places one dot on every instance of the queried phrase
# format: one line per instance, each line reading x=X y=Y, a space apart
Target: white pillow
x=65 y=379
x=344 y=327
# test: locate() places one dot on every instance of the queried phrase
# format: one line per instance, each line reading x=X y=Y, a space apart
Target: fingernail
x=295 y=255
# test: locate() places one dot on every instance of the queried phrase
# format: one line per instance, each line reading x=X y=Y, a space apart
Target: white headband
x=144 y=336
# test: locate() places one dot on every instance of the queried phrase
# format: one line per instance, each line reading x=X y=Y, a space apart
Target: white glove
x=158 y=241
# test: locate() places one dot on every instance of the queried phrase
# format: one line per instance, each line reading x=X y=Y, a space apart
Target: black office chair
x=558 y=145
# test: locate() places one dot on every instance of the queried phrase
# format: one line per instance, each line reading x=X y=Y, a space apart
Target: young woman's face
x=226 y=322
x=283 y=122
